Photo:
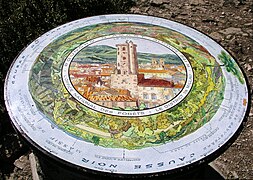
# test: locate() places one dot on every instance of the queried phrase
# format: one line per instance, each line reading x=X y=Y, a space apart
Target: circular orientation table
x=127 y=96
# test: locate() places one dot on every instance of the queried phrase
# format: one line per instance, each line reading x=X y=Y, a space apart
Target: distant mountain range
x=103 y=54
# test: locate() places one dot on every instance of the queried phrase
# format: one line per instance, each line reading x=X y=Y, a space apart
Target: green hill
x=106 y=54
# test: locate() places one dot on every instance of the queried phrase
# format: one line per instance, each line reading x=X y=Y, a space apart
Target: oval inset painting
x=126 y=94
x=127 y=72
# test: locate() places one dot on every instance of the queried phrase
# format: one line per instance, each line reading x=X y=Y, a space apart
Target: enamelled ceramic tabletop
x=126 y=95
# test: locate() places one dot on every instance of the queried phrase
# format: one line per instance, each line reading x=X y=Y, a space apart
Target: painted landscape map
x=122 y=75
x=119 y=77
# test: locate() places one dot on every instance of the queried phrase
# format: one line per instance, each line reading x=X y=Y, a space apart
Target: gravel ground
x=230 y=23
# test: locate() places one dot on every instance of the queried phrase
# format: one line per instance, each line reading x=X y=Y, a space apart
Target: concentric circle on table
x=126 y=94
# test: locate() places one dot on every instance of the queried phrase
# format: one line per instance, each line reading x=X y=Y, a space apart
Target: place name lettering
x=59 y=147
x=178 y=161
x=131 y=113
x=101 y=164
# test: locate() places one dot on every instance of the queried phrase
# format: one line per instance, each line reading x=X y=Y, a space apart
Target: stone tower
x=161 y=63
x=127 y=58
x=133 y=57
x=153 y=63
x=126 y=75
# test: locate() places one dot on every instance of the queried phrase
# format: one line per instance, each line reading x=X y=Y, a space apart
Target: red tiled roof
x=155 y=83
x=118 y=98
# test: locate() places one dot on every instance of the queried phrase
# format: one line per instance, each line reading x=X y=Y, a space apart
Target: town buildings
x=126 y=86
